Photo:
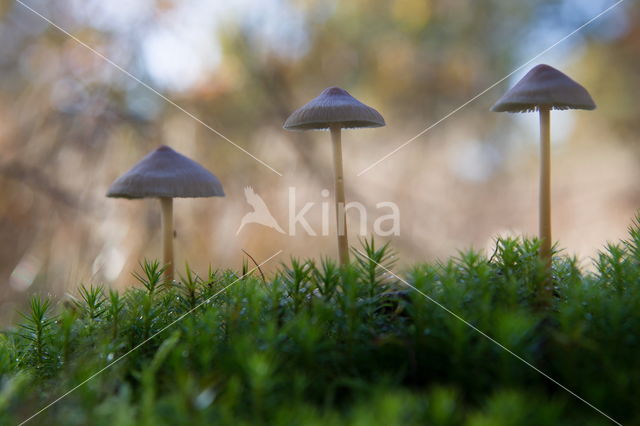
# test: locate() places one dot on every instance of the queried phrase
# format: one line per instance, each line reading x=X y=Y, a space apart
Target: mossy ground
x=316 y=344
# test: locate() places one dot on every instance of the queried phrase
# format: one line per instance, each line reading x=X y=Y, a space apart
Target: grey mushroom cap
x=166 y=173
x=544 y=87
x=334 y=106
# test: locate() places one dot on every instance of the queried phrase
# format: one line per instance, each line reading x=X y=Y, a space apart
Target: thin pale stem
x=167 y=236
x=341 y=217
x=545 y=191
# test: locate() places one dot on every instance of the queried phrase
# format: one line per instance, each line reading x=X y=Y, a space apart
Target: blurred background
x=70 y=123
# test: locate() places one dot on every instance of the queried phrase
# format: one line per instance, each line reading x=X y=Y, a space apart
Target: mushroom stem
x=167 y=236
x=545 y=189
x=341 y=217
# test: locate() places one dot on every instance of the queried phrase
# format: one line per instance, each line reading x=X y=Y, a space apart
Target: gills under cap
x=544 y=86
x=334 y=106
x=166 y=173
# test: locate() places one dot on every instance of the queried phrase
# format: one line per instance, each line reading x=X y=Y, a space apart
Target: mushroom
x=335 y=109
x=545 y=88
x=166 y=174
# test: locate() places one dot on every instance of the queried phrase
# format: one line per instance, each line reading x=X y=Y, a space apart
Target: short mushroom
x=545 y=88
x=166 y=174
x=335 y=109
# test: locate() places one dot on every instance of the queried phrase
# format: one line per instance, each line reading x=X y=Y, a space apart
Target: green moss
x=316 y=344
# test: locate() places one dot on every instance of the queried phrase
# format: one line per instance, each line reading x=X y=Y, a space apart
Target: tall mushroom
x=545 y=88
x=166 y=174
x=335 y=109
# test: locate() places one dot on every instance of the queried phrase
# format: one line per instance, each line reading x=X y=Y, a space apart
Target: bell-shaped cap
x=166 y=173
x=546 y=87
x=334 y=106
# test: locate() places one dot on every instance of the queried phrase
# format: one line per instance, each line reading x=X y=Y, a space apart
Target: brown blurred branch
x=36 y=180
